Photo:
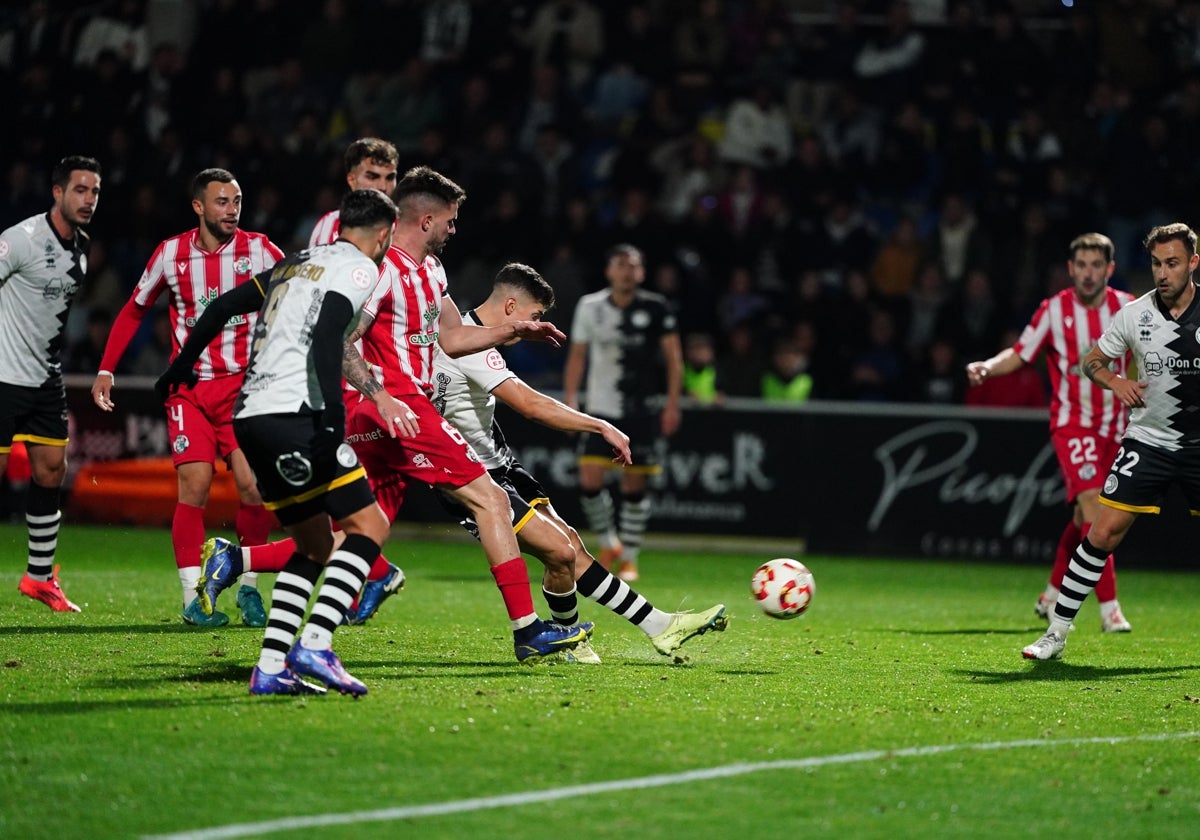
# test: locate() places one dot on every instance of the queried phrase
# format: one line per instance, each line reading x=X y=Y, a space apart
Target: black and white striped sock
x=42 y=518
x=608 y=590
x=344 y=578
x=1086 y=565
x=289 y=602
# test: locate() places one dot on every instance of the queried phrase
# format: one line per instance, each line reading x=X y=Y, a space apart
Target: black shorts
x=33 y=414
x=645 y=444
x=525 y=495
x=1141 y=474
x=279 y=450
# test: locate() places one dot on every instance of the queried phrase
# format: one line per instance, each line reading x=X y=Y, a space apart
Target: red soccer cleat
x=48 y=592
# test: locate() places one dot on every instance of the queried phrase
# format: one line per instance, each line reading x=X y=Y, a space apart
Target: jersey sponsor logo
x=5 y=248
x=346 y=456
x=1153 y=364
x=241 y=265
x=364 y=437
x=1110 y=484
x=494 y=360
x=294 y=468
x=361 y=278
x=431 y=313
x=180 y=444
x=423 y=339
x=58 y=288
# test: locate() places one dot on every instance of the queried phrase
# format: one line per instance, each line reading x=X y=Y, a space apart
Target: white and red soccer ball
x=783 y=587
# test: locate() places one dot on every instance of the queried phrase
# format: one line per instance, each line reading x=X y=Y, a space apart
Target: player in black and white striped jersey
x=43 y=263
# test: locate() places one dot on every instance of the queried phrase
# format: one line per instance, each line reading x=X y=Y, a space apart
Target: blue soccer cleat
x=325 y=666
x=285 y=682
x=374 y=593
x=540 y=639
x=220 y=566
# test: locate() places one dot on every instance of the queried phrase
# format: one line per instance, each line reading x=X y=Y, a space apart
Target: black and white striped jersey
x=40 y=274
x=1168 y=357
x=625 y=368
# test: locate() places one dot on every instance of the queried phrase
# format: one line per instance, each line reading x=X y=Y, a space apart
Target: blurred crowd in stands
x=846 y=200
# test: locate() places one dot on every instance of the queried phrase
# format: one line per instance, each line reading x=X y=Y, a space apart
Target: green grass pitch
x=899 y=706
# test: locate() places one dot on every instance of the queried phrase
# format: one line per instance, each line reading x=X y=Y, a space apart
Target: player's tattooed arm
x=1093 y=363
x=354 y=367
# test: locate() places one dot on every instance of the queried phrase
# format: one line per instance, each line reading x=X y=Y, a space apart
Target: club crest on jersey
x=241 y=265
x=346 y=456
x=640 y=319
x=1087 y=471
x=421 y=461
x=294 y=468
x=1145 y=316
x=180 y=444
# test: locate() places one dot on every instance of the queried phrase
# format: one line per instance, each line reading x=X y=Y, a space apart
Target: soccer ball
x=783 y=587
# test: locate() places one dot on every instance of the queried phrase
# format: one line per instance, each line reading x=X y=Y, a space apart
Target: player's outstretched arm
x=458 y=339
x=1002 y=364
x=550 y=412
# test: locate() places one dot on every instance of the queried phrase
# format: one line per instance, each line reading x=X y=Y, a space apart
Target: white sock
x=271 y=662
x=249 y=579
x=188 y=576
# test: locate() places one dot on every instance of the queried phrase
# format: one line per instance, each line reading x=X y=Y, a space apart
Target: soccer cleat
x=1049 y=646
x=546 y=639
x=1043 y=607
x=285 y=682
x=250 y=603
x=684 y=626
x=325 y=666
x=374 y=593
x=46 y=591
x=582 y=654
x=1115 y=622
x=194 y=615
x=219 y=568
x=610 y=555
x=627 y=571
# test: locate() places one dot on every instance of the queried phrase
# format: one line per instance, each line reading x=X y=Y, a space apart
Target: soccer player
x=627 y=340
x=465 y=392
x=370 y=165
x=409 y=313
x=1086 y=422
x=290 y=419
x=1162 y=444
x=43 y=262
x=193 y=268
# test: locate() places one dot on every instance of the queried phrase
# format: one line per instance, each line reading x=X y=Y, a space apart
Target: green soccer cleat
x=196 y=617
x=685 y=625
x=250 y=603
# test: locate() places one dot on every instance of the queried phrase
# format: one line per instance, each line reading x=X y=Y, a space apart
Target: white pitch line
x=483 y=803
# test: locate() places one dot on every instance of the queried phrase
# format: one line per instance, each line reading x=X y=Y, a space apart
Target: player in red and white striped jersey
x=370 y=165
x=1086 y=421
x=194 y=268
x=397 y=432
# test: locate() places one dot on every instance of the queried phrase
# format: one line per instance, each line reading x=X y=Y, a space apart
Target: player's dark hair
x=367 y=209
x=60 y=176
x=623 y=249
x=421 y=181
x=1094 y=242
x=527 y=280
x=206 y=176
x=1165 y=233
x=377 y=151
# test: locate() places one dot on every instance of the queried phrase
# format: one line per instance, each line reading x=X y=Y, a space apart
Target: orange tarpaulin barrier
x=142 y=491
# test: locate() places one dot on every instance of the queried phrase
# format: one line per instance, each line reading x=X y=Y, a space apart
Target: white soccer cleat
x=1049 y=646
x=1043 y=607
x=1114 y=622
x=582 y=654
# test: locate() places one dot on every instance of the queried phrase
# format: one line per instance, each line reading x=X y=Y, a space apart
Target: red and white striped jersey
x=406 y=307
x=326 y=229
x=1067 y=330
x=194 y=278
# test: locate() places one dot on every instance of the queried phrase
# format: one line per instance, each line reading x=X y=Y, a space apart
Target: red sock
x=272 y=556
x=253 y=524
x=379 y=569
x=512 y=579
x=187 y=534
x=1071 y=537
x=1106 y=587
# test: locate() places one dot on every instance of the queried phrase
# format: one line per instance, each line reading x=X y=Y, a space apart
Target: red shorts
x=1083 y=458
x=200 y=420
x=438 y=455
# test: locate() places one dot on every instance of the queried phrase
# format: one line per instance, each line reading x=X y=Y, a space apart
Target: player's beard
x=218 y=233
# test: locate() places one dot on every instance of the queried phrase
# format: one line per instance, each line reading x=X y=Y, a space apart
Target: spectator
x=787 y=380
